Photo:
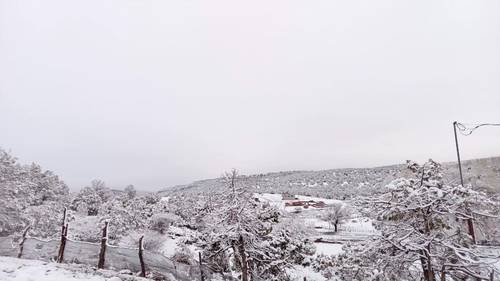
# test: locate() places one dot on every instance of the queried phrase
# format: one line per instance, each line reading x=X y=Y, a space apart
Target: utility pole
x=458 y=153
x=467 y=131
x=470 y=223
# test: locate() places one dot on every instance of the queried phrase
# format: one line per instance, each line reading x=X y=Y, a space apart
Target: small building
x=305 y=204
x=319 y=204
x=294 y=203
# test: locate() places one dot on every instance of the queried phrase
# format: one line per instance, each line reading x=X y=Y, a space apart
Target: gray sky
x=158 y=93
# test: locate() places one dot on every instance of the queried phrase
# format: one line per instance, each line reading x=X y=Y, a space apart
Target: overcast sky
x=159 y=93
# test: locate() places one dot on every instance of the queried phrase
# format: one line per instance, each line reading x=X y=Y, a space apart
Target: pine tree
x=421 y=220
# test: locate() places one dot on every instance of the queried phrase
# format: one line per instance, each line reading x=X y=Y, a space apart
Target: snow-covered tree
x=29 y=196
x=336 y=214
x=125 y=215
x=239 y=233
x=130 y=191
x=87 y=199
x=92 y=197
x=422 y=223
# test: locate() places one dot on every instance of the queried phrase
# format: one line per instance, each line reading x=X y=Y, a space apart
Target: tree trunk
x=426 y=266
x=425 y=257
x=237 y=260
x=443 y=274
x=470 y=225
x=244 y=265
x=430 y=271
x=21 y=244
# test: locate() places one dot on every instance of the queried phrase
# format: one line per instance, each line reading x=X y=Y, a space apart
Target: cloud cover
x=157 y=93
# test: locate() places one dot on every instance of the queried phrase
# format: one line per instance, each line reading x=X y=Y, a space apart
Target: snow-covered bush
x=161 y=222
x=130 y=191
x=126 y=215
x=327 y=265
x=152 y=241
x=85 y=228
x=322 y=262
x=184 y=255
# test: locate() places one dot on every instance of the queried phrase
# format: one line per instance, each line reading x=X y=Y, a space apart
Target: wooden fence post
x=63 y=237
x=104 y=242
x=141 y=259
x=21 y=243
x=63 y=244
x=202 y=277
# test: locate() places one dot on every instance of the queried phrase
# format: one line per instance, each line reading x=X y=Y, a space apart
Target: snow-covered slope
x=13 y=269
x=481 y=173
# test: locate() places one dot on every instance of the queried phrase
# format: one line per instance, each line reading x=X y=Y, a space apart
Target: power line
x=467 y=129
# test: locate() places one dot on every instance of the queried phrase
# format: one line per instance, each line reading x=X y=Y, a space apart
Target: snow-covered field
x=328 y=248
x=355 y=226
x=13 y=269
x=353 y=229
x=299 y=272
x=278 y=201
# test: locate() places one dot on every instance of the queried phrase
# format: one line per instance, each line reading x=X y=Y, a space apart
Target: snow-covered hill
x=339 y=183
x=482 y=173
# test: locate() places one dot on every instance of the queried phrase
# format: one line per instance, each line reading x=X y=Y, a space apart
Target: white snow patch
x=298 y=273
x=330 y=249
x=31 y=270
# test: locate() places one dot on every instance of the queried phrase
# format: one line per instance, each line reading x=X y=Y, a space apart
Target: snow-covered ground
x=354 y=229
x=13 y=269
x=299 y=272
x=174 y=240
x=328 y=248
x=276 y=200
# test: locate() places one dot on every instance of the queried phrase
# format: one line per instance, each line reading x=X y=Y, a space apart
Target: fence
x=102 y=255
x=88 y=253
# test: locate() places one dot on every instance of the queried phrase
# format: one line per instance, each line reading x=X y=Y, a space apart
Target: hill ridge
x=482 y=173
